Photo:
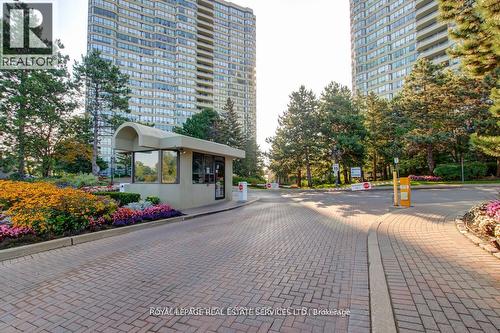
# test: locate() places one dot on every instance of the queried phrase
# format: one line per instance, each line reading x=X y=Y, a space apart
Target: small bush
x=474 y=170
x=73 y=180
x=252 y=181
x=139 y=206
x=153 y=200
x=123 y=198
x=425 y=178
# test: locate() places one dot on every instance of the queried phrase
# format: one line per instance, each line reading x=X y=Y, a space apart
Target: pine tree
x=442 y=109
x=476 y=30
x=204 y=125
x=230 y=127
x=107 y=95
x=342 y=128
x=301 y=129
x=375 y=112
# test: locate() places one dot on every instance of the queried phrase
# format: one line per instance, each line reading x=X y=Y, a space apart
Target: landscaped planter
x=483 y=220
x=37 y=212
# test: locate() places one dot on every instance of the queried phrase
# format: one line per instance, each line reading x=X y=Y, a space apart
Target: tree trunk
x=375 y=167
x=498 y=166
x=346 y=177
x=430 y=159
x=308 y=170
x=299 y=177
x=95 y=143
x=385 y=173
x=21 y=151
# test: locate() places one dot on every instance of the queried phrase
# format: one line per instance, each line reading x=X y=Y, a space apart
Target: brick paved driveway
x=304 y=250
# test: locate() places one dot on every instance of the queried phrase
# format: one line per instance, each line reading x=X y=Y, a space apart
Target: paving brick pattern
x=438 y=280
x=302 y=250
x=277 y=253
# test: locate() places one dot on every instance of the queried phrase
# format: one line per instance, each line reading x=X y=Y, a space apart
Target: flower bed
x=425 y=178
x=9 y=232
x=484 y=221
x=130 y=215
x=42 y=211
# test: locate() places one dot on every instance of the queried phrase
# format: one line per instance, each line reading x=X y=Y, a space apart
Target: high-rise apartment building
x=388 y=36
x=181 y=55
x=432 y=34
x=383 y=40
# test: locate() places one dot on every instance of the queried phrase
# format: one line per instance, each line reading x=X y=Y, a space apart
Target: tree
x=477 y=34
x=203 y=125
x=376 y=112
x=342 y=129
x=442 y=109
x=253 y=164
x=421 y=102
x=107 y=95
x=230 y=131
x=300 y=129
x=34 y=108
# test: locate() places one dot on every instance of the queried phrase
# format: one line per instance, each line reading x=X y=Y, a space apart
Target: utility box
x=123 y=186
x=243 y=191
x=405 y=192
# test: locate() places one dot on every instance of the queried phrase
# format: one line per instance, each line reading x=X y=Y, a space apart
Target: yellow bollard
x=396 y=186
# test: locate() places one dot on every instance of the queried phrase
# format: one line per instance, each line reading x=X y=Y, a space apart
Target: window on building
x=203 y=169
x=170 y=164
x=146 y=167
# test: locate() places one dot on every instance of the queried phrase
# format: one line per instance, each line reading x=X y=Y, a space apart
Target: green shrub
x=492 y=168
x=154 y=200
x=252 y=181
x=474 y=170
x=123 y=198
x=73 y=180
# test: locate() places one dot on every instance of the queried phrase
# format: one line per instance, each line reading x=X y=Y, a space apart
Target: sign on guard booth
x=405 y=190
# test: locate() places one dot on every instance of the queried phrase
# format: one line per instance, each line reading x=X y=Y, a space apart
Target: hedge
x=252 y=181
x=123 y=198
x=472 y=170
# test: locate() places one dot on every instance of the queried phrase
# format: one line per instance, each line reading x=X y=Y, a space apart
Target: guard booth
x=182 y=171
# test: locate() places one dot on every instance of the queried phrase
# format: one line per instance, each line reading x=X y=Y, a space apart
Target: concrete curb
x=27 y=250
x=381 y=314
x=462 y=228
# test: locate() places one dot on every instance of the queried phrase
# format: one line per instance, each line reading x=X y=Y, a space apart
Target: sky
x=299 y=42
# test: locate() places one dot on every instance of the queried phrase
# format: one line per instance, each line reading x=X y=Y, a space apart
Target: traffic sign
x=269 y=186
x=396 y=160
x=336 y=168
x=356 y=172
x=361 y=187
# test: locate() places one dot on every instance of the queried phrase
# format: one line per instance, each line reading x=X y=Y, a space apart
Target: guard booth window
x=203 y=169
